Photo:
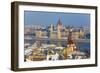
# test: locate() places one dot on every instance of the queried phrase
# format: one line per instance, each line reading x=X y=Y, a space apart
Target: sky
x=47 y=18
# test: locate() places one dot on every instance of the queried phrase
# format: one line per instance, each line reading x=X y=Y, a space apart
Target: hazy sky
x=47 y=18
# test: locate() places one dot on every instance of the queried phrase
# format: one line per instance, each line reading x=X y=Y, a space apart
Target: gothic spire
x=59 y=22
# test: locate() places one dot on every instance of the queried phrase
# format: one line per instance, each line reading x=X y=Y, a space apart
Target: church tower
x=71 y=47
x=71 y=44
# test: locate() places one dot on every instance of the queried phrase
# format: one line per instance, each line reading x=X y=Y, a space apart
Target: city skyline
x=57 y=42
x=47 y=18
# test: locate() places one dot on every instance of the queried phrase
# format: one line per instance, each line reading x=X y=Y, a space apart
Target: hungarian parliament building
x=59 y=31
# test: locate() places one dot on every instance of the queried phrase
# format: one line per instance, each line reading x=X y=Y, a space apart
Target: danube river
x=82 y=44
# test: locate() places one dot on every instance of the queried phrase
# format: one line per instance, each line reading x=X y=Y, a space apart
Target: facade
x=59 y=31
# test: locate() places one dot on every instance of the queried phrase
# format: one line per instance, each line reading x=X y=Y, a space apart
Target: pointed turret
x=59 y=22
